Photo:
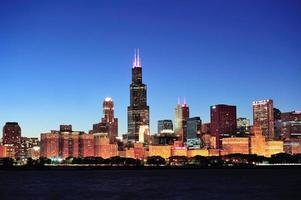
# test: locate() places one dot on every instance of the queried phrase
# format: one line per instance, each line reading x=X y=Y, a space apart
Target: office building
x=263 y=116
x=12 y=137
x=181 y=117
x=165 y=126
x=222 y=122
x=108 y=124
x=138 y=111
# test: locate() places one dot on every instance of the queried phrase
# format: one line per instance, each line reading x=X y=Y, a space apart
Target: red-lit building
x=2 y=151
x=49 y=146
x=86 y=145
x=263 y=116
x=68 y=142
x=102 y=146
x=139 y=152
x=222 y=122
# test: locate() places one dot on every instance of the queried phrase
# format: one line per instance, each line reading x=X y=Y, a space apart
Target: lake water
x=152 y=184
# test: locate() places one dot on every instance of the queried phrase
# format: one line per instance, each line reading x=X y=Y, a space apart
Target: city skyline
x=66 y=81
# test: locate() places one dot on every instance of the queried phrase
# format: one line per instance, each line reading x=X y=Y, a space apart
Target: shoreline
x=41 y=168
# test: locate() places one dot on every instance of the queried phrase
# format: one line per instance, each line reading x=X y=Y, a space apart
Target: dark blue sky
x=59 y=60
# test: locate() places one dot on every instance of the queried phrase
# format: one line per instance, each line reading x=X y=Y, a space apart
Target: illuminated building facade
x=197 y=152
x=12 y=137
x=273 y=147
x=194 y=126
x=178 y=151
x=277 y=123
x=160 y=150
x=206 y=139
x=165 y=138
x=34 y=152
x=243 y=126
x=292 y=146
x=257 y=141
x=108 y=124
x=144 y=134
x=232 y=145
x=68 y=142
x=2 y=151
x=222 y=122
x=138 y=111
x=139 y=151
x=165 y=125
x=181 y=117
x=263 y=116
x=49 y=145
x=86 y=145
x=26 y=145
x=102 y=146
x=291 y=125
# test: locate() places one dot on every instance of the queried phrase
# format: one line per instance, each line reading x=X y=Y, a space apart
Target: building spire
x=179 y=102
x=185 y=104
x=137 y=59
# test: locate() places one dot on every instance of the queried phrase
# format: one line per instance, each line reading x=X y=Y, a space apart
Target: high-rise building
x=194 y=128
x=277 y=123
x=138 y=111
x=223 y=122
x=181 y=117
x=263 y=116
x=165 y=125
x=108 y=124
x=243 y=126
x=27 y=144
x=12 y=136
x=291 y=125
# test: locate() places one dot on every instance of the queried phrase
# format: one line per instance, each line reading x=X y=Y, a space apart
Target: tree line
x=198 y=161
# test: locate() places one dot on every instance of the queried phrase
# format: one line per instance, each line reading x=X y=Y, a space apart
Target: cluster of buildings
x=272 y=132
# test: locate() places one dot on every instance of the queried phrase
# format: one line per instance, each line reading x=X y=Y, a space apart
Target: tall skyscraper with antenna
x=138 y=111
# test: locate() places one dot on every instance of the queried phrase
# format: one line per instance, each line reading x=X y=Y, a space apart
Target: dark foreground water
x=152 y=184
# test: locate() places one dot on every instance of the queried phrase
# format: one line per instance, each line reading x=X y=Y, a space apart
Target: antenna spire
x=137 y=59
x=185 y=104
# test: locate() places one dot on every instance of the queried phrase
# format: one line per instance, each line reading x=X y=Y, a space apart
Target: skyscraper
x=12 y=136
x=108 y=124
x=291 y=125
x=263 y=116
x=223 y=122
x=243 y=126
x=165 y=124
x=138 y=111
x=194 y=128
x=181 y=117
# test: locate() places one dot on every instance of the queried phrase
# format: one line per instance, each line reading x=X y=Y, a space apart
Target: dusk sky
x=59 y=60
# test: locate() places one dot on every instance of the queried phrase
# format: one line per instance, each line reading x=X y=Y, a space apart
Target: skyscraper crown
x=137 y=59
